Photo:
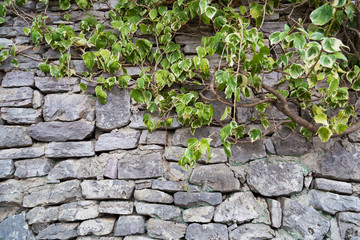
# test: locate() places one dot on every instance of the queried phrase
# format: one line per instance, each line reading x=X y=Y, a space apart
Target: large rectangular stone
x=21 y=153
x=14 y=136
x=333 y=186
x=18 y=79
x=125 y=138
x=69 y=149
x=21 y=115
x=6 y=168
x=33 y=167
x=116 y=207
x=16 y=97
x=107 y=189
x=52 y=85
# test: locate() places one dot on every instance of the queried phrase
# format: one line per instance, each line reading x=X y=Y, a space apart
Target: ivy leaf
x=226 y=113
x=2 y=10
x=201 y=51
x=321 y=118
x=64 y=4
x=83 y=87
x=137 y=95
x=296 y=70
x=356 y=85
x=255 y=134
x=332 y=45
x=256 y=10
x=210 y=11
x=144 y=47
x=313 y=51
x=153 y=14
x=15 y=62
x=324 y=133
x=160 y=78
x=338 y=3
x=89 y=59
x=318 y=36
x=299 y=42
x=225 y=132
x=124 y=80
x=321 y=15
x=327 y=60
x=44 y=67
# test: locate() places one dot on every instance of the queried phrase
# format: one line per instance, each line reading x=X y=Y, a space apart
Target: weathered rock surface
x=75 y=211
x=69 y=149
x=42 y=215
x=21 y=115
x=16 y=97
x=275 y=178
x=99 y=227
x=157 y=228
x=252 y=231
x=33 y=167
x=275 y=213
x=11 y=136
x=20 y=153
x=244 y=152
x=197 y=231
x=59 y=231
x=15 y=227
x=199 y=214
x=67 y=107
x=6 y=168
x=107 y=189
x=174 y=153
x=38 y=100
x=153 y=196
x=129 y=225
x=111 y=168
x=116 y=207
x=112 y=114
x=182 y=135
x=333 y=186
x=165 y=212
x=304 y=220
x=137 y=121
x=52 y=85
x=173 y=186
x=217 y=177
x=349 y=231
x=18 y=79
x=156 y=137
x=293 y=145
x=187 y=199
x=61 y=131
x=350 y=217
x=122 y=139
x=10 y=193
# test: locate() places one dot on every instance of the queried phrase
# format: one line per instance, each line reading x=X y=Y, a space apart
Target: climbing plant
x=316 y=59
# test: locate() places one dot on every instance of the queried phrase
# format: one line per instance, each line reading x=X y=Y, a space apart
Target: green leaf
x=321 y=15
x=144 y=47
x=332 y=45
x=226 y=113
x=201 y=51
x=255 y=134
x=256 y=10
x=2 y=10
x=296 y=70
x=321 y=118
x=318 y=36
x=313 y=51
x=220 y=21
x=225 y=132
x=64 y=4
x=89 y=59
x=324 y=133
x=299 y=42
x=44 y=67
x=210 y=11
x=26 y=31
x=153 y=14
x=67 y=17
x=327 y=60
x=137 y=95
x=83 y=87
x=356 y=85
x=265 y=123
x=338 y=3
x=15 y=62
x=124 y=80
x=161 y=77
x=162 y=10
x=275 y=37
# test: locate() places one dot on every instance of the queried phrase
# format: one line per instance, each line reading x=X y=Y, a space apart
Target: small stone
x=15 y=227
x=61 y=131
x=165 y=212
x=33 y=167
x=16 y=97
x=244 y=152
x=157 y=228
x=333 y=186
x=199 y=214
x=116 y=207
x=275 y=213
x=75 y=211
x=7 y=211
x=143 y=184
x=197 y=231
x=42 y=215
x=111 y=168
x=240 y=172
x=69 y=149
x=349 y=217
x=6 y=42
x=153 y=196
x=107 y=189
x=182 y=135
x=100 y=227
x=174 y=172
x=11 y=193
x=183 y=40
x=52 y=85
x=187 y=199
x=18 y=79
x=21 y=115
x=156 y=137
x=349 y=231
x=6 y=168
x=129 y=225
x=252 y=231
x=270 y=27
x=38 y=100
x=59 y=231
x=122 y=139
x=137 y=238
x=173 y=186
x=21 y=153
x=14 y=137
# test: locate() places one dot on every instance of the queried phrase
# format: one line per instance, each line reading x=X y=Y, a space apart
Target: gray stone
x=292 y=145
x=15 y=227
x=355 y=136
x=184 y=39
x=6 y=42
x=197 y=231
x=52 y=85
x=275 y=178
x=11 y=193
x=137 y=121
x=349 y=217
x=20 y=153
x=199 y=214
x=174 y=153
x=42 y=215
x=116 y=207
x=187 y=199
x=252 y=231
x=33 y=167
x=16 y=97
x=21 y=115
x=349 y=231
x=182 y=135
x=61 y=131
x=239 y=207
x=217 y=177
x=143 y=184
x=59 y=231
x=332 y=203
x=53 y=194
x=107 y=189
x=76 y=211
x=304 y=220
x=137 y=238
x=244 y=152
x=240 y=172
x=111 y=168
x=98 y=238
x=271 y=27
x=18 y=79
x=67 y=107
x=7 y=211
x=112 y=114
x=69 y=149
x=175 y=172
x=122 y=139
x=157 y=228
x=156 y=137
x=333 y=186
x=275 y=213
x=14 y=137
x=38 y=100
x=165 y=212
x=140 y=165
x=99 y=226
x=152 y=196
x=173 y=186
x=129 y=225
x=6 y=168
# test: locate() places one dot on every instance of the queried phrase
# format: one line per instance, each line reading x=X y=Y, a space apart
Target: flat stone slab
x=42 y=215
x=59 y=231
x=15 y=227
x=152 y=196
x=16 y=97
x=18 y=79
x=244 y=152
x=333 y=186
x=275 y=212
x=181 y=136
x=252 y=231
x=116 y=207
x=7 y=168
x=14 y=136
x=21 y=153
x=77 y=211
x=173 y=186
x=187 y=199
x=98 y=227
x=33 y=167
x=61 y=131
x=122 y=139
x=293 y=145
x=199 y=214
x=197 y=231
x=21 y=115
x=129 y=225
x=107 y=189
x=11 y=193
x=165 y=212
x=161 y=229
x=350 y=217
x=53 y=85
x=69 y=149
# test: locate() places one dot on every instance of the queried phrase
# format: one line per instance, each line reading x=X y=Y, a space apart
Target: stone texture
x=332 y=203
x=217 y=177
x=137 y=238
x=42 y=215
x=16 y=97
x=349 y=231
x=112 y=114
x=59 y=231
x=156 y=137
x=173 y=186
x=239 y=207
x=174 y=172
x=187 y=199
x=137 y=121
x=20 y=153
x=107 y=189
x=11 y=193
x=303 y=220
x=199 y=214
x=7 y=211
x=140 y=165
x=349 y=217
x=21 y=115
x=333 y=186
x=182 y=135
x=61 y=131
x=67 y=107
x=33 y=167
x=38 y=100
x=152 y=196
x=75 y=211
x=244 y=152
x=111 y=168
x=69 y=149
x=129 y=225
x=355 y=136
x=252 y=231
x=197 y=231
x=116 y=207
x=15 y=227
x=99 y=226
x=275 y=178
x=52 y=85
x=174 y=153
x=165 y=212
x=275 y=213
x=6 y=168
x=160 y=229
x=14 y=137
x=122 y=139
x=18 y=79
x=53 y=194
x=293 y=145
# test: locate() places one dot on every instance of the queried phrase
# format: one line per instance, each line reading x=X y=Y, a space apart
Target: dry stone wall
x=72 y=168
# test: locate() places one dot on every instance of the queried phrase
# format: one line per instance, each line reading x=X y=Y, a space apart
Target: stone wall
x=72 y=168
